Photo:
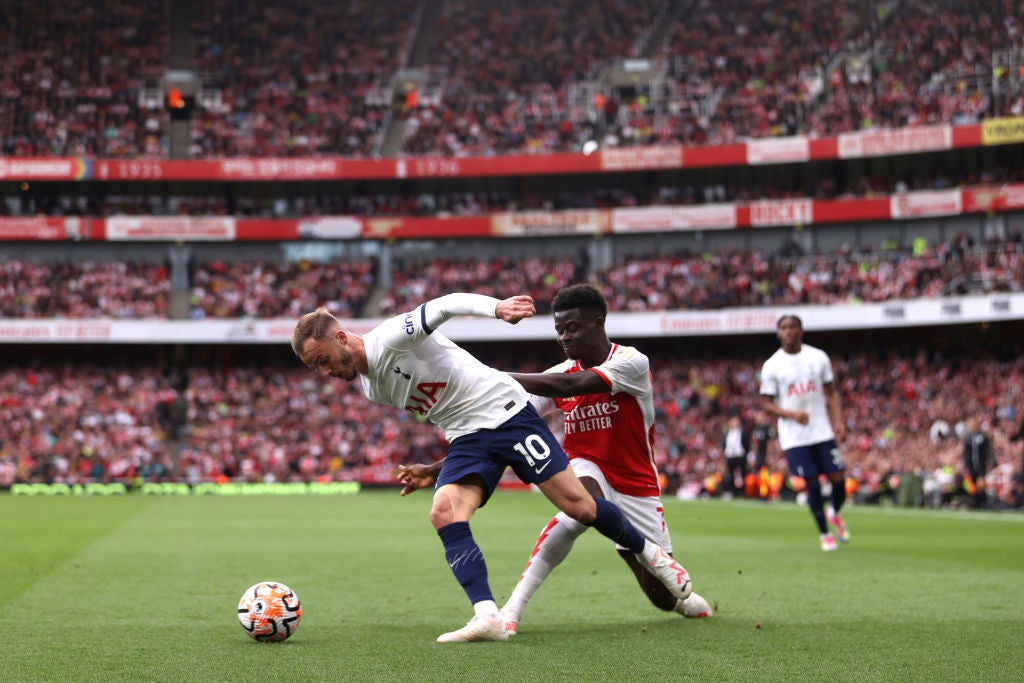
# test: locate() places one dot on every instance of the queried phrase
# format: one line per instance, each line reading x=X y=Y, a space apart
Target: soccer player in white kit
x=489 y=423
x=605 y=395
x=797 y=386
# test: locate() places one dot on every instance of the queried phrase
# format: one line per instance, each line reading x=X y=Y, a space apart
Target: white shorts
x=647 y=513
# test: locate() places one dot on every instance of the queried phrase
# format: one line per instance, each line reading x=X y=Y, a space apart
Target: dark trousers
x=736 y=474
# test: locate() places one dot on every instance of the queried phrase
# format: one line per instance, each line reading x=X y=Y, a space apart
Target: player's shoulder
x=629 y=353
x=813 y=351
x=566 y=365
x=779 y=356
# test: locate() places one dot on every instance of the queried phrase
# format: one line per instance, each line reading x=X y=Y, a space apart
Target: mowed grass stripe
x=153 y=597
x=40 y=535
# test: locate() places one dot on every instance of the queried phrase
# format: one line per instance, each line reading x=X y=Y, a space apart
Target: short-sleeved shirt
x=414 y=367
x=797 y=382
x=615 y=429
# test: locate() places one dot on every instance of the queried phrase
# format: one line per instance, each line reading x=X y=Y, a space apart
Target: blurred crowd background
x=458 y=78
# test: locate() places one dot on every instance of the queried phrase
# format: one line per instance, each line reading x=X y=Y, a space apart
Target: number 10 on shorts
x=535 y=450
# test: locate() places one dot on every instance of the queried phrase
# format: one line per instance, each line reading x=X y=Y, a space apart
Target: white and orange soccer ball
x=269 y=611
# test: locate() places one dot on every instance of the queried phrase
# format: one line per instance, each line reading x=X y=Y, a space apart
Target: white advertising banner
x=876 y=143
x=659 y=218
x=778 y=150
x=897 y=313
x=574 y=221
x=639 y=158
x=926 y=203
x=781 y=212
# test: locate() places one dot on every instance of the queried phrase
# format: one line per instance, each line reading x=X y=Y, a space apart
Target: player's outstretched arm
x=561 y=384
x=418 y=476
x=511 y=310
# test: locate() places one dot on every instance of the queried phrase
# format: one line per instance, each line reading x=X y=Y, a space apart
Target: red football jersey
x=615 y=429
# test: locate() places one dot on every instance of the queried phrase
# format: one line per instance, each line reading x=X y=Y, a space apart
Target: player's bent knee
x=583 y=511
x=441 y=512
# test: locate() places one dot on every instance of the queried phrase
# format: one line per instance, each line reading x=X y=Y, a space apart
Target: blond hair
x=316 y=325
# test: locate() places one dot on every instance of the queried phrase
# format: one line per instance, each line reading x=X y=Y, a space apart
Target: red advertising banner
x=881 y=143
x=427 y=228
x=979 y=199
x=923 y=204
x=796 y=149
x=782 y=212
x=144 y=228
x=20 y=228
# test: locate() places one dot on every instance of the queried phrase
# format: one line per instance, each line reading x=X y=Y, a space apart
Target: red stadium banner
x=55 y=168
x=872 y=143
x=144 y=228
x=924 y=204
x=796 y=149
x=427 y=228
x=783 y=212
x=44 y=228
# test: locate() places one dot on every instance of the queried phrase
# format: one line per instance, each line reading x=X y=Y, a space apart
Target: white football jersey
x=797 y=381
x=414 y=367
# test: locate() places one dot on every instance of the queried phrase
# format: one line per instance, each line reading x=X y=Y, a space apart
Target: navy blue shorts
x=819 y=458
x=523 y=443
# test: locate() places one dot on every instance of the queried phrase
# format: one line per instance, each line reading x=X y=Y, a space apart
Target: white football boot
x=479 y=629
x=694 y=607
x=668 y=571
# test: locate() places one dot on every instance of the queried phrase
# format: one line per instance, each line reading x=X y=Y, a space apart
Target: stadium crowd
x=79 y=422
x=72 y=74
x=294 y=79
x=309 y=79
x=721 y=278
x=734 y=70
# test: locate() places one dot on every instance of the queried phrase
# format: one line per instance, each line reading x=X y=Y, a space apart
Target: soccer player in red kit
x=605 y=393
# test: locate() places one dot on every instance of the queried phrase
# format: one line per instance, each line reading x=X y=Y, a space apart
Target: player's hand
x=802 y=418
x=840 y=430
x=415 y=477
x=515 y=308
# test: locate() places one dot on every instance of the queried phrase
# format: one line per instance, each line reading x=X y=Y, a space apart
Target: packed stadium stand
x=180 y=180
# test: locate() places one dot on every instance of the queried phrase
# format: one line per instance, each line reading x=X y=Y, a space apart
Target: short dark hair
x=790 y=316
x=579 y=296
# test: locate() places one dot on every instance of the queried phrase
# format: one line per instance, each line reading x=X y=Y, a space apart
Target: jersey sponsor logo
x=424 y=397
x=587 y=418
x=408 y=324
x=802 y=388
x=593 y=410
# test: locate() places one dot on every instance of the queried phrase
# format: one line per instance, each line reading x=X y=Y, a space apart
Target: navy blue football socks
x=816 y=503
x=466 y=560
x=612 y=523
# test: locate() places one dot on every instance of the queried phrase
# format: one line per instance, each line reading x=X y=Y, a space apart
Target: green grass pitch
x=145 y=588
